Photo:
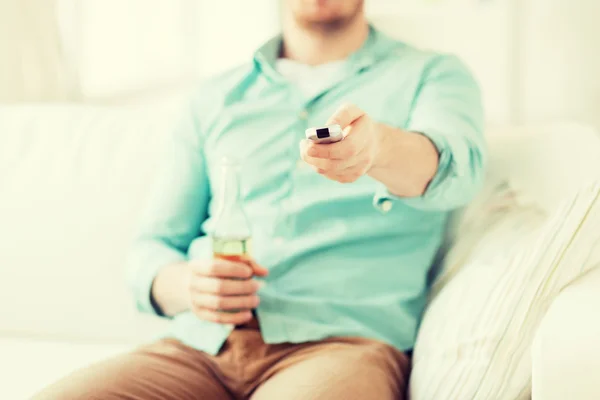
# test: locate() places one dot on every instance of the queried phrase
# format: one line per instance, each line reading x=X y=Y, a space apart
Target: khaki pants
x=246 y=368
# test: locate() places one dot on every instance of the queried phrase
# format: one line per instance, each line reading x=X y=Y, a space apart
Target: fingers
x=225 y=301
x=343 y=171
x=219 y=317
x=349 y=175
x=319 y=157
x=344 y=150
x=222 y=291
x=349 y=148
x=224 y=287
x=329 y=166
x=258 y=269
x=212 y=302
x=346 y=115
x=222 y=269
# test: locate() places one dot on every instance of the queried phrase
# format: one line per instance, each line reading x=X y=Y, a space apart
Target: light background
x=537 y=60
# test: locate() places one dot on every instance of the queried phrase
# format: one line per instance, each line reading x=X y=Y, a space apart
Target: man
x=344 y=233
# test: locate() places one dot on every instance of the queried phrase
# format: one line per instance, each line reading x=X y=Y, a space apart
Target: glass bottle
x=231 y=236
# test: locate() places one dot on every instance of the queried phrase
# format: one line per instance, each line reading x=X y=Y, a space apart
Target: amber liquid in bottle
x=235 y=249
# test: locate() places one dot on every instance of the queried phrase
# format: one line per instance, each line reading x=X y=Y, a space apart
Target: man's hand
x=353 y=157
x=211 y=289
x=405 y=162
x=223 y=291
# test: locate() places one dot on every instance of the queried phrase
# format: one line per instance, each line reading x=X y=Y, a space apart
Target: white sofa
x=72 y=179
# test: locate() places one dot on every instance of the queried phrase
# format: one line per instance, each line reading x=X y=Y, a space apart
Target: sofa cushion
x=529 y=235
x=566 y=350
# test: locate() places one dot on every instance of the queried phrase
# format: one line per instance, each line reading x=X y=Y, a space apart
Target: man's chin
x=324 y=23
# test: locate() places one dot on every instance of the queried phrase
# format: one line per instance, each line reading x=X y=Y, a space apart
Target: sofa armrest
x=566 y=349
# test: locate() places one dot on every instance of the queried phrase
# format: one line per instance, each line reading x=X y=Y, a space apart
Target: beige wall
x=537 y=60
x=561 y=60
x=32 y=67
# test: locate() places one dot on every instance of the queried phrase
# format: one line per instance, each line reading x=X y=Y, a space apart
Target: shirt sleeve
x=174 y=213
x=448 y=110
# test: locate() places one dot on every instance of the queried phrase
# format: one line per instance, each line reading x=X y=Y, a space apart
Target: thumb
x=346 y=115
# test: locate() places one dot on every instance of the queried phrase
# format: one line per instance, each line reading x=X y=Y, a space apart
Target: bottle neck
x=230 y=187
x=230 y=219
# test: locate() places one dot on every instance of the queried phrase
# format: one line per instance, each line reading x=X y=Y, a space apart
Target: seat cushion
x=566 y=351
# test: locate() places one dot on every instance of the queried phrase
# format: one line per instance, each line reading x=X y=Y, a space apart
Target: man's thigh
x=343 y=369
x=161 y=371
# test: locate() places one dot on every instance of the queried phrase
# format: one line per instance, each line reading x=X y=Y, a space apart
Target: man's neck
x=314 y=47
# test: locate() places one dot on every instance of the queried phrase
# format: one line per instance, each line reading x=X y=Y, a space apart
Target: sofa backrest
x=72 y=180
x=545 y=163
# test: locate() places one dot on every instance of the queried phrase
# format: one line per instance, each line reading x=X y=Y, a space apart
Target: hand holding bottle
x=223 y=291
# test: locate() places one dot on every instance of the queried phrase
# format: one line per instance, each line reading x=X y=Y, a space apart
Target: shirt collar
x=375 y=47
x=266 y=56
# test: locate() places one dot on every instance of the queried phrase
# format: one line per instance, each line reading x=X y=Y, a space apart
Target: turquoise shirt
x=344 y=259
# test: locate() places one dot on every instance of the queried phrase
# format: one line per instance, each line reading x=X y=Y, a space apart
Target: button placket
x=303 y=115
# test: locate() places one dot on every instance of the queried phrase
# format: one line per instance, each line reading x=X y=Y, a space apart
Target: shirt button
x=303 y=115
x=386 y=206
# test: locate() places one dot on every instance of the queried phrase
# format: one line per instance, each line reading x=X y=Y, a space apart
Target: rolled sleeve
x=148 y=258
x=172 y=219
x=447 y=110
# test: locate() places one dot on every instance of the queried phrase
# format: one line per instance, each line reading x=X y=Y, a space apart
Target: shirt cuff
x=144 y=265
x=384 y=200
